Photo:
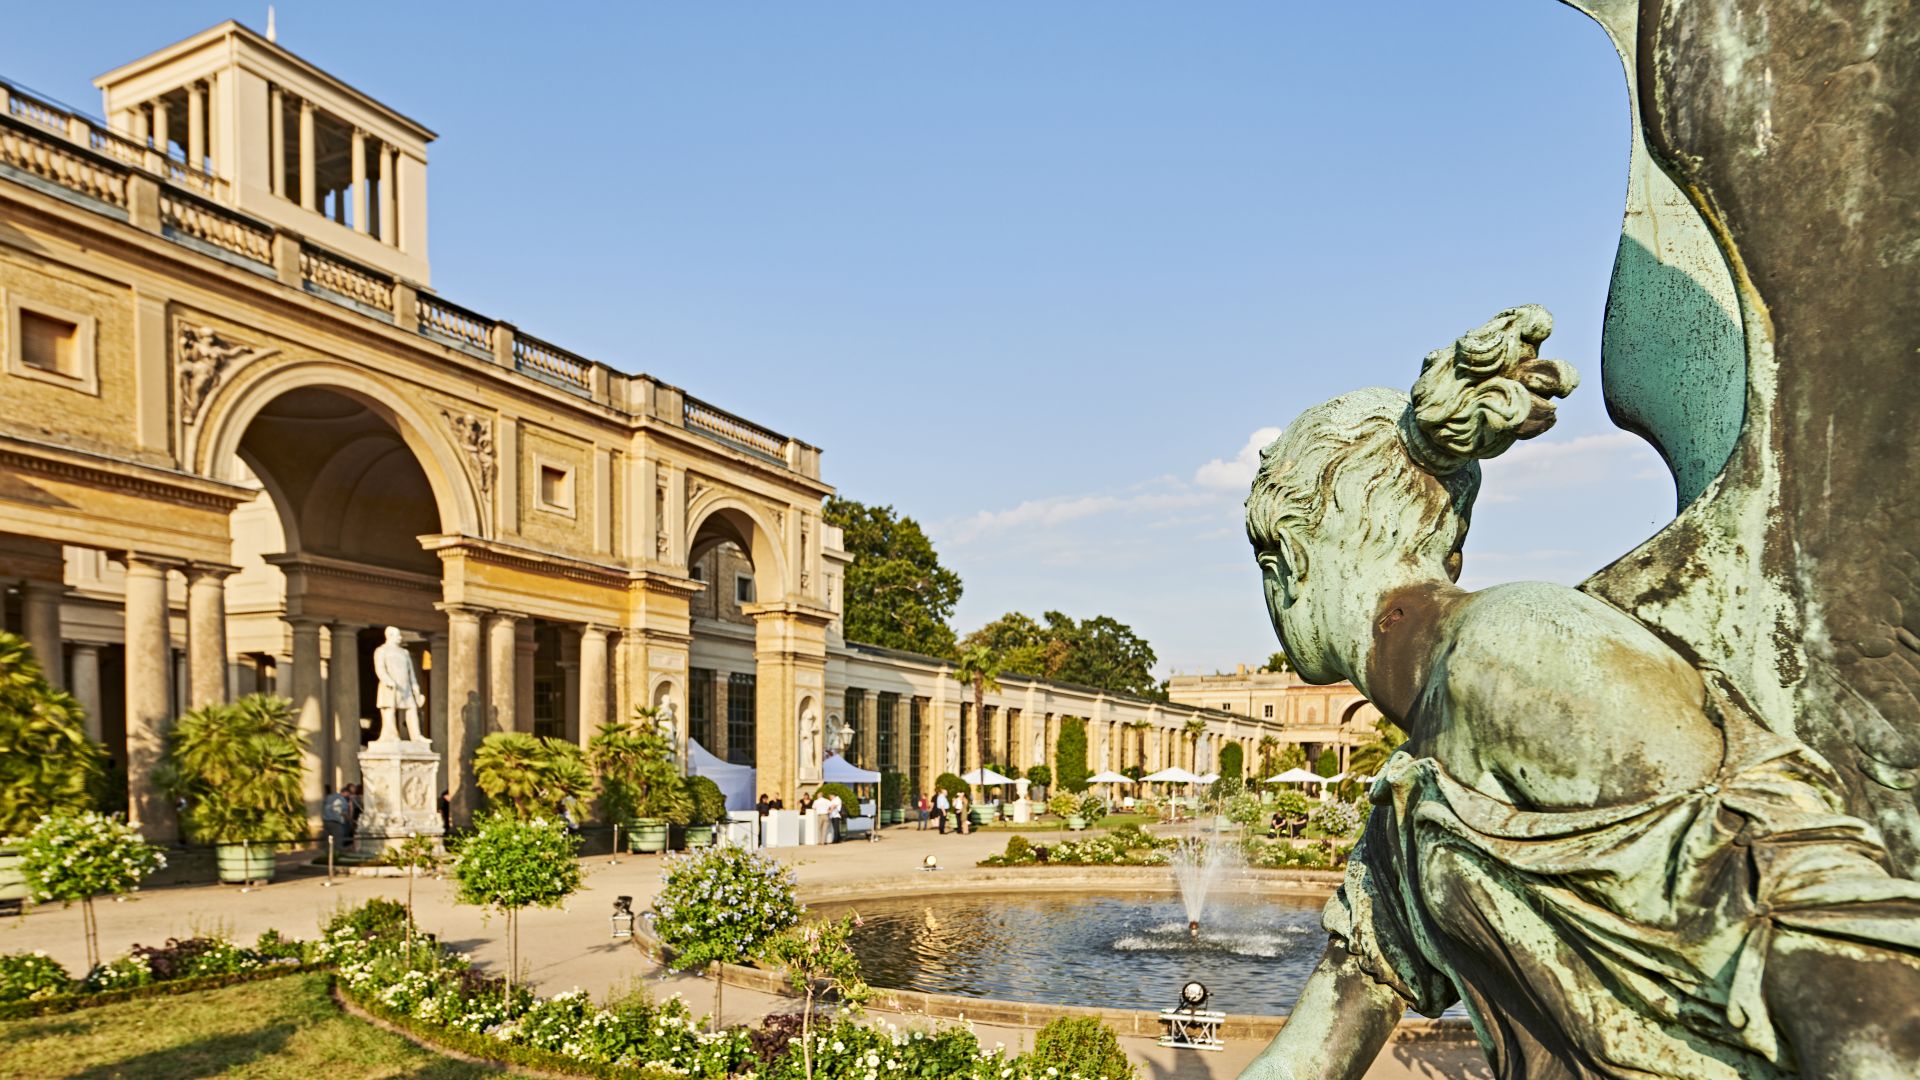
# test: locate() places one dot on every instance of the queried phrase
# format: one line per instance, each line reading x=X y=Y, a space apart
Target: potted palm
x=528 y=776
x=237 y=768
x=48 y=766
x=639 y=786
x=893 y=787
x=708 y=805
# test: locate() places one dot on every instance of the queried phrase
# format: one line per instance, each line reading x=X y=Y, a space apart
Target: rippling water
x=1117 y=951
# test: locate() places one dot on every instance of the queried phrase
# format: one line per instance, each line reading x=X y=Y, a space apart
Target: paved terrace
x=571 y=947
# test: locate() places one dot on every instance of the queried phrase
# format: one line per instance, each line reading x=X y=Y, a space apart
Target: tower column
x=594 y=674
x=389 y=192
x=86 y=686
x=308 y=198
x=437 y=690
x=465 y=709
x=276 y=142
x=503 y=665
x=162 y=136
x=197 y=125
x=359 y=157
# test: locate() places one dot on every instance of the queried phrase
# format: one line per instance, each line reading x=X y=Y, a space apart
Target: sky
x=1042 y=276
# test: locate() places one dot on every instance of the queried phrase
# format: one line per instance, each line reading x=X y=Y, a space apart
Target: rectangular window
x=855 y=703
x=1266 y=711
x=547 y=723
x=740 y=718
x=556 y=487
x=743 y=589
x=698 y=571
x=883 y=733
x=913 y=745
x=700 y=706
x=49 y=344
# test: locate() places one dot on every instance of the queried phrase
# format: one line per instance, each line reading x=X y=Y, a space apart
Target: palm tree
x=1194 y=728
x=1268 y=747
x=979 y=667
x=1369 y=758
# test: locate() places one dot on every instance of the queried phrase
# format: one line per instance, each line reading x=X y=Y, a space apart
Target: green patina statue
x=1589 y=841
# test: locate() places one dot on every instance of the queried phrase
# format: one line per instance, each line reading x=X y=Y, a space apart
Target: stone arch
x=458 y=502
x=716 y=517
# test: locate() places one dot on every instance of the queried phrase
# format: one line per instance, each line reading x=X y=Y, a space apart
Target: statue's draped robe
x=1546 y=923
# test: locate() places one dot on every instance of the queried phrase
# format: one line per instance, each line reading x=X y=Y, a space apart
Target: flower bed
x=34 y=984
x=1128 y=845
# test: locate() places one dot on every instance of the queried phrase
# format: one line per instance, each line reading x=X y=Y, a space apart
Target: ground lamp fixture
x=1194 y=995
x=622 y=917
x=931 y=862
x=1191 y=1024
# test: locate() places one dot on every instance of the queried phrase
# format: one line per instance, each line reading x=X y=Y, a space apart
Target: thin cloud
x=1584 y=461
x=1237 y=474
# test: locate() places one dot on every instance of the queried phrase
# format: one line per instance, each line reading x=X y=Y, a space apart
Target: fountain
x=1199 y=865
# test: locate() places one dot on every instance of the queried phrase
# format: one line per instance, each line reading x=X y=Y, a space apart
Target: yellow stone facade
x=240 y=435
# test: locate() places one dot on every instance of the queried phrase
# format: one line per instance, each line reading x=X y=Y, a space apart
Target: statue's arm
x=1337 y=1027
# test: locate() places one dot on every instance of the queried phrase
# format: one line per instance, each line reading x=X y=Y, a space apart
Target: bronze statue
x=1588 y=839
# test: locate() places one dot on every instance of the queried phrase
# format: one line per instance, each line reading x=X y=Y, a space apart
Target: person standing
x=940 y=805
x=960 y=808
x=836 y=811
x=333 y=815
x=920 y=807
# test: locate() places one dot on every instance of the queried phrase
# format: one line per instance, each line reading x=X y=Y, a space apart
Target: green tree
x=816 y=958
x=1269 y=763
x=47 y=763
x=979 y=667
x=1292 y=756
x=1070 y=754
x=1277 y=663
x=238 y=768
x=897 y=595
x=1040 y=776
x=78 y=856
x=722 y=905
x=1019 y=642
x=1232 y=761
x=1080 y=1046
x=530 y=776
x=634 y=764
x=1328 y=764
x=511 y=863
x=1104 y=653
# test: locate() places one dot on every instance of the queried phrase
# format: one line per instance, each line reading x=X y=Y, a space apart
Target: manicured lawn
x=277 y=1028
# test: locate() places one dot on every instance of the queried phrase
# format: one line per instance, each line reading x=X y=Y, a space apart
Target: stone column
x=308 y=190
x=437 y=704
x=969 y=737
x=503 y=666
x=276 y=142
x=359 y=160
x=40 y=602
x=465 y=709
x=197 y=125
x=389 y=196
x=148 y=676
x=593 y=681
x=343 y=696
x=86 y=686
x=161 y=135
x=569 y=665
x=207 y=634
x=316 y=764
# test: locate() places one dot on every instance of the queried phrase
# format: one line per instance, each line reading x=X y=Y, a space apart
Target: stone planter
x=13 y=881
x=699 y=836
x=1076 y=823
x=980 y=815
x=646 y=835
x=241 y=864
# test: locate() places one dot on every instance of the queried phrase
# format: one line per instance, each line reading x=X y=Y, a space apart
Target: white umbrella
x=1337 y=777
x=981 y=777
x=1175 y=775
x=1212 y=777
x=1109 y=777
x=1297 y=776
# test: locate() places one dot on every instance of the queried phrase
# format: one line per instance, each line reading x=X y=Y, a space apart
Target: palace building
x=240 y=434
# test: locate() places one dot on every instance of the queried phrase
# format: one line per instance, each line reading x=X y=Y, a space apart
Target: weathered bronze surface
x=1664 y=825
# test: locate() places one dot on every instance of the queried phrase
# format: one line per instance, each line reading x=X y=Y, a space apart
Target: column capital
x=304 y=623
x=42 y=587
x=137 y=561
x=463 y=611
x=306 y=106
x=200 y=571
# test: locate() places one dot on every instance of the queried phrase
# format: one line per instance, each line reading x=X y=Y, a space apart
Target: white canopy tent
x=1298 y=776
x=838 y=770
x=734 y=781
x=1174 y=775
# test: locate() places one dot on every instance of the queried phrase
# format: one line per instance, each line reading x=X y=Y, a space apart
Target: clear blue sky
x=1032 y=273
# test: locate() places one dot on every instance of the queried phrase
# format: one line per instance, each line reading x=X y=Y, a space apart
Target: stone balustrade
x=54 y=146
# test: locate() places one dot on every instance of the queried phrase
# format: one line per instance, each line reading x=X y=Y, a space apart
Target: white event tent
x=734 y=781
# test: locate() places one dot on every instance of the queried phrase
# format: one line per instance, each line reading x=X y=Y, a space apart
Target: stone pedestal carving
x=399 y=778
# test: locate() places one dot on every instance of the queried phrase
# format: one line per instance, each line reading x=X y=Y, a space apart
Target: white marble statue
x=810 y=740
x=400 y=695
x=839 y=734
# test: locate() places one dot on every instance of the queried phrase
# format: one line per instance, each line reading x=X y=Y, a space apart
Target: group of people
x=340 y=813
x=941 y=806
x=828 y=811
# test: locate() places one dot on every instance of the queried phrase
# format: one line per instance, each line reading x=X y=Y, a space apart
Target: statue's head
x=1375 y=488
x=393 y=635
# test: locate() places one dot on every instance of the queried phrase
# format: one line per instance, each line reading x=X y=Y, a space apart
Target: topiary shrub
x=1233 y=762
x=1040 y=776
x=1064 y=804
x=1070 y=752
x=1081 y=1046
x=708 y=802
x=849 y=802
x=951 y=784
x=893 y=790
x=1328 y=764
x=1019 y=849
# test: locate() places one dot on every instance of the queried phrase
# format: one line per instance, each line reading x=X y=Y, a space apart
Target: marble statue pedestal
x=398 y=777
x=1022 y=809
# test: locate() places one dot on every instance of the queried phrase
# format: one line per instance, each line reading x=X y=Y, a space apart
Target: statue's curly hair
x=1420 y=451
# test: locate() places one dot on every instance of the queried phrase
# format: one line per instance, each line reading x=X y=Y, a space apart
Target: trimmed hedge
x=66 y=1003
